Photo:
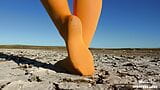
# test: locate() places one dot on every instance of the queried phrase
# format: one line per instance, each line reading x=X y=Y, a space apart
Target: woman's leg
x=88 y=11
x=79 y=54
x=59 y=11
x=80 y=60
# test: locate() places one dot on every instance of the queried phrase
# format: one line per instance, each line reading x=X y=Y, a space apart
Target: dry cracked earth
x=29 y=69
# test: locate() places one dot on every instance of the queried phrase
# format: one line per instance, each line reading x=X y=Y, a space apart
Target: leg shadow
x=23 y=60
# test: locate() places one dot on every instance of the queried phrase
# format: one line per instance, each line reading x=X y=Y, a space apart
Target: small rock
x=128 y=64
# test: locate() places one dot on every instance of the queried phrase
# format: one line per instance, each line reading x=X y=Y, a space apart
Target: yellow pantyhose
x=77 y=31
x=81 y=58
x=89 y=12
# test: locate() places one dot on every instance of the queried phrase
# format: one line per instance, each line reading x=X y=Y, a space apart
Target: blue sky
x=123 y=24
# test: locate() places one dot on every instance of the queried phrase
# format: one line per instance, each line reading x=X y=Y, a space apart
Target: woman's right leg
x=89 y=12
x=79 y=54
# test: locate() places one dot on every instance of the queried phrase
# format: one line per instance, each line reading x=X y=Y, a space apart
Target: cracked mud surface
x=26 y=69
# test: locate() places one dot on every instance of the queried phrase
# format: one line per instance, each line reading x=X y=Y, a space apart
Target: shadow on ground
x=23 y=60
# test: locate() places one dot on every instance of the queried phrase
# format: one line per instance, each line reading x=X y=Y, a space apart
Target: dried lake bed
x=34 y=69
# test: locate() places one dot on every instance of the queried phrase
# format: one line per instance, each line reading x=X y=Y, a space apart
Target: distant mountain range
x=62 y=47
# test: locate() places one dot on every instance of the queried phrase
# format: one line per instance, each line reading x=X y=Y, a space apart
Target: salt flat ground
x=35 y=69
